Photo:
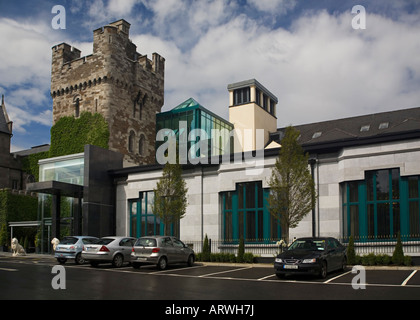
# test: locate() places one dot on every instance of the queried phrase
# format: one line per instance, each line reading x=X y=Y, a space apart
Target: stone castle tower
x=116 y=81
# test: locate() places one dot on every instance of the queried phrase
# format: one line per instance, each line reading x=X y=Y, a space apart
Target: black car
x=316 y=256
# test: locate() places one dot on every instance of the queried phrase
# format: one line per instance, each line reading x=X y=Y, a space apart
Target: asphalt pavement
x=32 y=277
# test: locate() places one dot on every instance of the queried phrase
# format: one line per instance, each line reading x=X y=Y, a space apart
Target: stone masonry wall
x=116 y=81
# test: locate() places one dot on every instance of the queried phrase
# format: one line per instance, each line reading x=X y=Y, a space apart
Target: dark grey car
x=161 y=251
x=312 y=256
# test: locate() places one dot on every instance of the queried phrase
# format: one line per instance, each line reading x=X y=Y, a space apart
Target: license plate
x=290 y=266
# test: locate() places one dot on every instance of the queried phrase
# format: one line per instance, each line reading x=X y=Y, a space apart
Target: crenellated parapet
x=126 y=87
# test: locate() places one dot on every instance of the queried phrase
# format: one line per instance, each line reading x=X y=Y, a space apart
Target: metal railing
x=272 y=247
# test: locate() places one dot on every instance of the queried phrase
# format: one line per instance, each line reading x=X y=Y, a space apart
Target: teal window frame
x=143 y=222
x=377 y=208
x=245 y=214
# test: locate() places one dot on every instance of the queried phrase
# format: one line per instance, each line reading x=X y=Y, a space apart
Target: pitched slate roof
x=357 y=130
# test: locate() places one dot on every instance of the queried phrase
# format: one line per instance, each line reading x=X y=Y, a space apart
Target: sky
x=321 y=60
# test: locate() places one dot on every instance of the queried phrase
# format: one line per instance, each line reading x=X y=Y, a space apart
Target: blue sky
x=305 y=52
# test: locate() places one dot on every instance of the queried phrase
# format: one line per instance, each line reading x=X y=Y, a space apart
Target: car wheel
x=61 y=260
x=162 y=264
x=344 y=264
x=190 y=261
x=323 y=271
x=79 y=259
x=118 y=261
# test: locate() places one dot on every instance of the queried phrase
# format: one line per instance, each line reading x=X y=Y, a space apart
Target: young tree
x=292 y=194
x=170 y=202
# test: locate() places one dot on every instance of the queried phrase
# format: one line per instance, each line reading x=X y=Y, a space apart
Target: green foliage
x=292 y=188
x=225 y=257
x=241 y=251
x=30 y=163
x=351 y=253
x=17 y=207
x=206 y=249
x=398 y=255
x=69 y=135
x=170 y=202
x=4 y=236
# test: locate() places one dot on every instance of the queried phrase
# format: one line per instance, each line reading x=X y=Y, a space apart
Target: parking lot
x=404 y=277
x=202 y=281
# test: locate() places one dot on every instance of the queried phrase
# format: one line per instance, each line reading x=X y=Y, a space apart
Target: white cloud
x=121 y=7
x=273 y=6
x=25 y=71
x=320 y=69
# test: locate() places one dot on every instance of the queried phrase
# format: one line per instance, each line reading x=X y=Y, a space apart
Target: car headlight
x=278 y=260
x=309 y=260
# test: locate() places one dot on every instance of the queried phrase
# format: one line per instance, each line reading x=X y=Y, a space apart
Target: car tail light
x=104 y=249
x=132 y=250
x=155 y=250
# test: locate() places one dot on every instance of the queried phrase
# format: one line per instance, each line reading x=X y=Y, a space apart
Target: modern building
x=76 y=195
x=366 y=171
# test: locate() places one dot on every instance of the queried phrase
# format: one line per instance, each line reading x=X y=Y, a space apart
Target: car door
x=180 y=252
x=126 y=244
x=169 y=249
x=334 y=255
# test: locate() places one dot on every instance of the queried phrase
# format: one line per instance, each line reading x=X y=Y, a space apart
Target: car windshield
x=68 y=240
x=146 y=242
x=309 y=245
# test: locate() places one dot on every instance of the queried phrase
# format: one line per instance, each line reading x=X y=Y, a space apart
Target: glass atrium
x=216 y=129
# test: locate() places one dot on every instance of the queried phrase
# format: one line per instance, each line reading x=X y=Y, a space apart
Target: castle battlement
x=126 y=87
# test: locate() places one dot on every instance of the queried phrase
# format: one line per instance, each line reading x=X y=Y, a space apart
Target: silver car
x=161 y=251
x=116 y=250
x=71 y=248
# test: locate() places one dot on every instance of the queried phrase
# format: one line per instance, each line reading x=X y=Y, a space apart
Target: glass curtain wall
x=142 y=220
x=196 y=117
x=381 y=206
x=245 y=215
x=63 y=170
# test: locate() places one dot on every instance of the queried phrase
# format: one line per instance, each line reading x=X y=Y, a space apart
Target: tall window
x=131 y=138
x=414 y=206
x=142 y=220
x=245 y=214
x=382 y=205
x=142 y=145
x=242 y=96
x=77 y=108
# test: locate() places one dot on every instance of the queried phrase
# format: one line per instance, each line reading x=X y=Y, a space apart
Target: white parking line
x=270 y=276
x=408 y=278
x=339 y=276
x=169 y=270
x=220 y=272
x=10 y=270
